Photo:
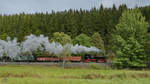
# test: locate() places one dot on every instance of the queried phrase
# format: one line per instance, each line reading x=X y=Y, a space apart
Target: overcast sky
x=32 y=6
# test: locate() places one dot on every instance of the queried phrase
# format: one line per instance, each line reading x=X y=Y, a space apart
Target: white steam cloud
x=12 y=48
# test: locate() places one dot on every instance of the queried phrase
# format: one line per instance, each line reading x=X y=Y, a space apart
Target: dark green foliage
x=129 y=39
x=147 y=44
x=98 y=42
x=61 y=38
x=3 y=36
x=83 y=39
x=147 y=49
x=71 y=22
x=130 y=54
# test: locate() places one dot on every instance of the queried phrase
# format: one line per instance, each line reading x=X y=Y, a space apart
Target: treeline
x=71 y=22
x=83 y=24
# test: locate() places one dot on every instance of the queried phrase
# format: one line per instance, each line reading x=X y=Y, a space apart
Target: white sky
x=32 y=6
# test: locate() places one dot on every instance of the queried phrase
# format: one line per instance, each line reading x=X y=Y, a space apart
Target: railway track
x=80 y=64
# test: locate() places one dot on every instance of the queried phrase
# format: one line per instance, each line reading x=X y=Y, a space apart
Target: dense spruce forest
x=71 y=22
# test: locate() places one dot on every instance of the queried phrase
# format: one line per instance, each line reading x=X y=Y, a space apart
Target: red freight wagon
x=52 y=59
x=75 y=59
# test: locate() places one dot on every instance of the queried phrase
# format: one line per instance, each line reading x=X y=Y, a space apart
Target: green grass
x=38 y=74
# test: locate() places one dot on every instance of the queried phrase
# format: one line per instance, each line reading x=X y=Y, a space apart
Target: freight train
x=86 y=59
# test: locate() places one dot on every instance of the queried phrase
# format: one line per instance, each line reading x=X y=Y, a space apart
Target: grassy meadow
x=44 y=74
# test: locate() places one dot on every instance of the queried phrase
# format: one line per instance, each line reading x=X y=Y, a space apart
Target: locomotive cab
x=94 y=58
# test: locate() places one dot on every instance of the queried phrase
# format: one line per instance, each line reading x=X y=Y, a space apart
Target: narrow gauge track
x=54 y=63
